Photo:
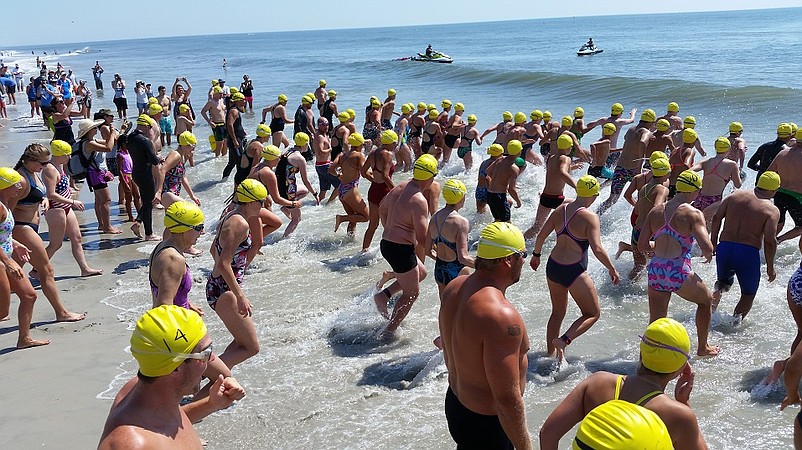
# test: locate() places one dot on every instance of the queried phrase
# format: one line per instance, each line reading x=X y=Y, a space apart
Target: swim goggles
x=653 y=343
x=521 y=253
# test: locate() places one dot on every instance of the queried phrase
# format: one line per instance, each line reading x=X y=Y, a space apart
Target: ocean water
x=318 y=381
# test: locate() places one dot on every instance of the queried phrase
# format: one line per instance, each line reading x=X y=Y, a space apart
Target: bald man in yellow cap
x=664 y=349
x=485 y=345
x=789 y=196
x=750 y=219
x=172 y=350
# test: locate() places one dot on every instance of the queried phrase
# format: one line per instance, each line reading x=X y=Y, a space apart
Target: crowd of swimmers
x=675 y=201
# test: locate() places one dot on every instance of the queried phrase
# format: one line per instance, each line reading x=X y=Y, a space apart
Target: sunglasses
x=43 y=163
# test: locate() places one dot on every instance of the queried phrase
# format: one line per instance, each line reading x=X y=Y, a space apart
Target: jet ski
x=587 y=50
x=435 y=56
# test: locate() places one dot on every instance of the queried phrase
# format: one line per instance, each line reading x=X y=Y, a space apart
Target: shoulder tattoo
x=513 y=330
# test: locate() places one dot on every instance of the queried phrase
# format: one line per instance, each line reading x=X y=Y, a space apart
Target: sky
x=103 y=20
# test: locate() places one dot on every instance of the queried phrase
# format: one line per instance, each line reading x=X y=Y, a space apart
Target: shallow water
x=319 y=381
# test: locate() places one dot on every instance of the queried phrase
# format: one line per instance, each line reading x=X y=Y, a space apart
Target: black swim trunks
x=471 y=430
x=450 y=140
x=499 y=206
x=401 y=257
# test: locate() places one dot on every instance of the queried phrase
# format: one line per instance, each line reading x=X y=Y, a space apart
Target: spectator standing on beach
x=180 y=96
x=165 y=124
x=144 y=158
x=118 y=84
x=246 y=87
x=97 y=177
x=485 y=345
x=214 y=114
x=172 y=350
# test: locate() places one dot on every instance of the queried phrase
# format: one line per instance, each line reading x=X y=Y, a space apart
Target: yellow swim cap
x=182 y=108
x=784 y=130
x=405 y=109
x=661 y=167
x=689 y=122
x=152 y=100
x=306 y=100
x=154 y=108
x=322 y=83
x=547 y=115
x=648 y=115
x=499 y=240
x=301 y=139
x=375 y=103
x=251 y=190
x=495 y=150
x=689 y=135
x=665 y=345
x=536 y=114
x=270 y=152
x=212 y=140
x=673 y=107
x=567 y=121
x=332 y=93
x=237 y=96
x=144 y=119
x=445 y=103
x=60 y=148
x=390 y=92
x=514 y=147
x=798 y=135
x=579 y=112
x=8 y=177
x=433 y=114
x=472 y=118
x=621 y=425
x=217 y=90
x=453 y=191
x=520 y=118
x=587 y=186
x=608 y=129
x=662 y=125
x=215 y=82
x=351 y=113
x=343 y=116
x=459 y=107
x=722 y=145
x=232 y=90
x=263 y=130
x=163 y=337
x=181 y=216
x=769 y=181
x=389 y=137
x=689 y=181
x=794 y=127
x=282 y=98
x=616 y=109
x=425 y=167
x=506 y=115
x=736 y=127
x=657 y=154
x=355 y=140
x=564 y=142
x=421 y=106
x=431 y=107
x=187 y=138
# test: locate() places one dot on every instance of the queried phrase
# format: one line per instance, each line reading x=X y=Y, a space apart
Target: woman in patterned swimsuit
x=60 y=216
x=232 y=253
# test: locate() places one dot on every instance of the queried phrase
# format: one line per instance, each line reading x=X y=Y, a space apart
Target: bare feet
x=31 y=342
x=153 y=237
x=192 y=251
x=34 y=274
x=381 y=300
x=337 y=222
x=776 y=371
x=71 y=317
x=529 y=234
x=622 y=247
x=91 y=272
x=136 y=228
x=438 y=342
x=3 y=319
x=709 y=350
x=559 y=348
x=110 y=230
x=386 y=276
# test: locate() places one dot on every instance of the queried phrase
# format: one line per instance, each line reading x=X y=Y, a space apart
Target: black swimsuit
x=566 y=274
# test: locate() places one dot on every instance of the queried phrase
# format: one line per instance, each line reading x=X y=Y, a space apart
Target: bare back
x=746 y=217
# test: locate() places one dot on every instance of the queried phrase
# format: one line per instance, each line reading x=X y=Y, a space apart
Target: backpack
x=78 y=164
